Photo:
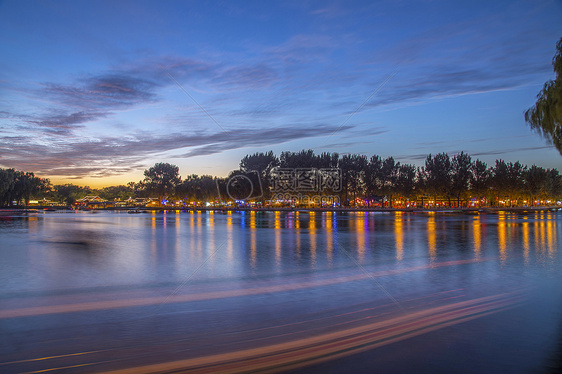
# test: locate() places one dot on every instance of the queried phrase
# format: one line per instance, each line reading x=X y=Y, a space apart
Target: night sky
x=93 y=93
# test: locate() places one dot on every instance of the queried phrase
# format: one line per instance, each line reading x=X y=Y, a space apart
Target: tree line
x=451 y=181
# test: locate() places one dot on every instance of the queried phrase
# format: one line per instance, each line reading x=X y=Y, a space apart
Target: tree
x=460 y=175
x=162 y=179
x=29 y=185
x=117 y=192
x=545 y=116
x=353 y=174
x=19 y=186
x=406 y=180
x=303 y=159
x=516 y=179
x=499 y=179
x=389 y=173
x=508 y=179
x=536 y=183
x=198 y=188
x=554 y=184
x=480 y=178
x=262 y=163
x=438 y=174
x=373 y=176
x=7 y=186
x=327 y=160
x=69 y=193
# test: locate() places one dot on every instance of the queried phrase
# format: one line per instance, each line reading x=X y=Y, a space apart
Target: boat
x=17 y=212
x=135 y=211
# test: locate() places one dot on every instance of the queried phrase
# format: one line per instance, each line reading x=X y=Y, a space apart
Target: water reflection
x=431 y=236
x=296 y=238
x=312 y=236
x=502 y=244
x=551 y=239
x=259 y=281
x=526 y=244
x=329 y=236
x=178 y=243
x=277 y=239
x=399 y=235
x=359 y=223
x=477 y=236
x=298 y=235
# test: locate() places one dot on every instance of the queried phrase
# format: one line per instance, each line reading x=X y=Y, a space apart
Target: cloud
x=112 y=156
x=61 y=124
x=95 y=96
x=444 y=82
x=303 y=48
x=423 y=156
x=257 y=76
x=509 y=150
x=108 y=91
x=252 y=138
x=332 y=146
x=467 y=56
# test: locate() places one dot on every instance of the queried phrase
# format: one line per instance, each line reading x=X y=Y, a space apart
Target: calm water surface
x=280 y=291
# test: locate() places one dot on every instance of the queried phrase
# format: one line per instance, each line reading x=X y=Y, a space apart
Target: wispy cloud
x=256 y=76
x=64 y=124
x=494 y=152
x=109 y=156
x=303 y=48
x=106 y=91
x=92 y=97
x=509 y=150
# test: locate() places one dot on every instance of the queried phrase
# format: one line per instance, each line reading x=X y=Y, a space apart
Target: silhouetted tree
x=353 y=174
x=441 y=176
x=303 y=159
x=389 y=175
x=460 y=175
x=262 y=164
x=327 y=160
x=516 y=179
x=198 y=188
x=437 y=174
x=554 y=184
x=406 y=180
x=69 y=193
x=508 y=180
x=374 y=178
x=161 y=179
x=480 y=179
x=116 y=192
x=18 y=186
x=500 y=179
x=545 y=116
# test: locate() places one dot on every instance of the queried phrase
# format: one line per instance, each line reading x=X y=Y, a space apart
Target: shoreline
x=489 y=210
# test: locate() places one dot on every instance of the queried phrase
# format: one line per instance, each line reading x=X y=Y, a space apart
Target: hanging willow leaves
x=545 y=116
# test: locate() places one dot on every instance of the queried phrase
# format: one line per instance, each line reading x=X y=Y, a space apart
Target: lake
x=280 y=291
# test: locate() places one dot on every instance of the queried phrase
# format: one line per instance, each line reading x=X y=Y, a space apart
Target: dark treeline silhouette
x=18 y=186
x=457 y=181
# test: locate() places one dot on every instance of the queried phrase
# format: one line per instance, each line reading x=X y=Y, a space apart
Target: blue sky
x=93 y=93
